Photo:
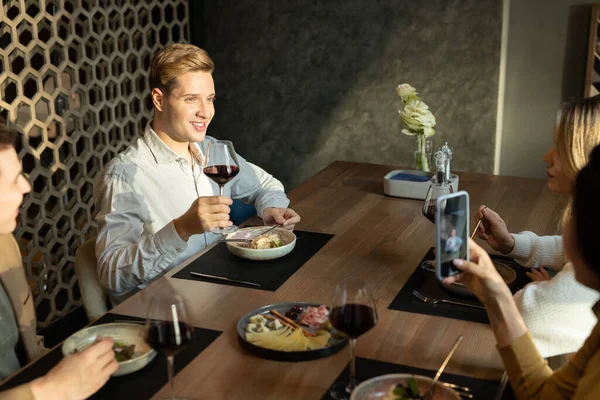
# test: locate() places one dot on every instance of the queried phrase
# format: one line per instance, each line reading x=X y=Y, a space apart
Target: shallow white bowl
x=125 y=333
x=287 y=237
x=378 y=387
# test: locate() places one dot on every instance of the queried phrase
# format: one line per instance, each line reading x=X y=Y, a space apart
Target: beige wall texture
x=545 y=63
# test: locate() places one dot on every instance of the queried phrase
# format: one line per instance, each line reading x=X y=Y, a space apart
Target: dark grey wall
x=303 y=83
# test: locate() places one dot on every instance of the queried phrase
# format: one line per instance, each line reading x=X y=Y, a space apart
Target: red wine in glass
x=429 y=211
x=221 y=174
x=168 y=338
x=430 y=208
x=353 y=319
x=221 y=166
x=352 y=312
x=167 y=330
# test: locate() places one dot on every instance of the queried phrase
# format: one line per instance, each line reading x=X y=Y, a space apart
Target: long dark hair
x=586 y=210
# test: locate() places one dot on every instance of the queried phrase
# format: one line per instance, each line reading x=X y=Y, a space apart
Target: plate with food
x=506 y=272
x=290 y=332
x=401 y=387
x=131 y=350
x=276 y=243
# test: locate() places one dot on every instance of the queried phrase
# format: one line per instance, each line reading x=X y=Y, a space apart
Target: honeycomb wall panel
x=73 y=80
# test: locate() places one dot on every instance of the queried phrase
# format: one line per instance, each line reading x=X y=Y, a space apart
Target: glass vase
x=423 y=152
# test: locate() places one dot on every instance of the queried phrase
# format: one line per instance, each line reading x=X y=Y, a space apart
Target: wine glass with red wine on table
x=353 y=313
x=436 y=189
x=167 y=330
x=221 y=166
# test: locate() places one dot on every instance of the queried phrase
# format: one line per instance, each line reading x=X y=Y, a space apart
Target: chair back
x=95 y=301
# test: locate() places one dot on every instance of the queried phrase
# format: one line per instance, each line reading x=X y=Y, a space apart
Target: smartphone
x=452 y=232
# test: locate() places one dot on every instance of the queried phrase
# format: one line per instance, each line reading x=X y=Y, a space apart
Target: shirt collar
x=161 y=152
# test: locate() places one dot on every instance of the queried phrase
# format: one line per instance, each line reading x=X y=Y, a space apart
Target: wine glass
x=436 y=189
x=353 y=313
x=221 y=166
x=167 y=330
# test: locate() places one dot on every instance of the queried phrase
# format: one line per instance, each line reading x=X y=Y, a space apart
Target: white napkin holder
x=411 y=184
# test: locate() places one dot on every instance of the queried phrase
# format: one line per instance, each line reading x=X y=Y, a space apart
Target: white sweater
x=558 y=312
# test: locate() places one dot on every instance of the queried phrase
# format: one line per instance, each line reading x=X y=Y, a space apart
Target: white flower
x=418 y=119
x=406 y=92
x=415 y=115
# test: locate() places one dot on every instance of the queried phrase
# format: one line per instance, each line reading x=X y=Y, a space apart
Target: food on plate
x=289 y=339
x=410 y=391
x=123 y=352
x=315 y=316
x=294 y=312
x=299 y=329
x=258 y=319
x=266 y=241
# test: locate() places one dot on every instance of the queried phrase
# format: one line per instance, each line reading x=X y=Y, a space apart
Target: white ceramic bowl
x=125 y=333
x=287 y=237
x=378 y=387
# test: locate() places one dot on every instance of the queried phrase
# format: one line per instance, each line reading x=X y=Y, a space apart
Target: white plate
x=287 y=237
x=378 y=387
x=125 y=333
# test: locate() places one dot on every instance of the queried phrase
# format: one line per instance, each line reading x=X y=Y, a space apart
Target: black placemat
x=481 y=389
x=427 y=284
x=270 y=274
x=142 y=384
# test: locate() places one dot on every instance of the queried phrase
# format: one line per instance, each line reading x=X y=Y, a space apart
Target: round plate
x=335 y=345
x=125 y=333
x=287 y=237
x=378 y=387
x=506 y=272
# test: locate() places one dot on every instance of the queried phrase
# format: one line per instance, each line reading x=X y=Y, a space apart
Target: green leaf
x=400 y=391
x=412 y=387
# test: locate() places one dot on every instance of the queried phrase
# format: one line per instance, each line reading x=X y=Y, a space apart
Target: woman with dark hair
x=529 y=374
x=77 y=376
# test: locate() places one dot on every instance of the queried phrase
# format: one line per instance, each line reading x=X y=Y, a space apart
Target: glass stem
x=352 y=383
x=221 y=190
x=170 y=372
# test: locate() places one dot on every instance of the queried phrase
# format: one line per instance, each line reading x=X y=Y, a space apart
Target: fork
x=462 y=391
x=431 y=300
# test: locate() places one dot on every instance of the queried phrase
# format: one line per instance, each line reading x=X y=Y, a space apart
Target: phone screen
x=453 y=231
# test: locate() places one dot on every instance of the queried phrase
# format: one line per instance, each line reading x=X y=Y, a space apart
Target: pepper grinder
x=448 y=175
x=448 y=151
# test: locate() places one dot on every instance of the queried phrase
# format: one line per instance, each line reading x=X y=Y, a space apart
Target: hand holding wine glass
x=353 y=313
x=167 y=330
x=221 y=166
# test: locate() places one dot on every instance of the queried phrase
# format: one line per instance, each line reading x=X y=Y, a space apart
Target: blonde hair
x=175 y=60
x=578 y=133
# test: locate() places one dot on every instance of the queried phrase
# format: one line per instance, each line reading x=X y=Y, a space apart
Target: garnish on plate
x=410 y=391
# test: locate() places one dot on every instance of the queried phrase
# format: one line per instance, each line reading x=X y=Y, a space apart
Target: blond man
x=154 y=205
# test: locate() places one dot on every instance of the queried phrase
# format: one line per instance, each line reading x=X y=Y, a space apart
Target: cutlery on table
x=431 y=300
x=222 y=278
x=429 y=393
x=234 y=240
x=477 y=226
x=462 y=391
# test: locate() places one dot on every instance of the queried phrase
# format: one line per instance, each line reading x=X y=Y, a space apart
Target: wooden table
x=378 y=238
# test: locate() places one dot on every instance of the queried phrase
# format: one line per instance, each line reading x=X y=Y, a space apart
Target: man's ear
x=157 y=99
